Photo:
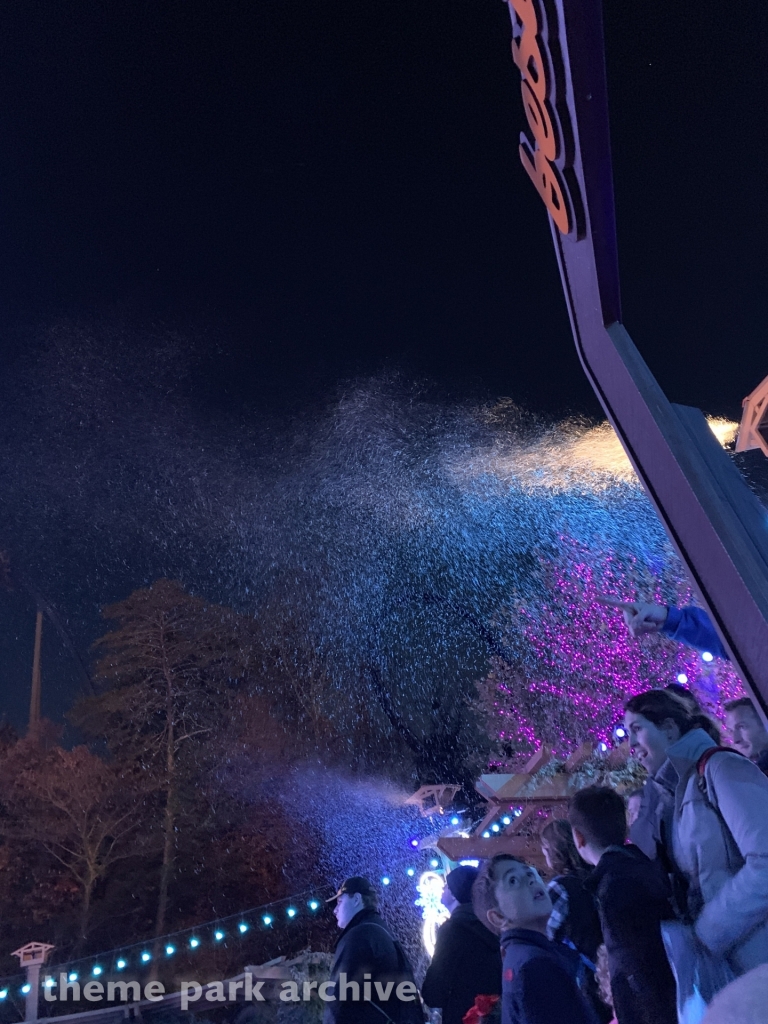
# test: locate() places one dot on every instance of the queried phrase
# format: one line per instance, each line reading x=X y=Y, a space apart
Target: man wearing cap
x=367 y=954
x=467 y=959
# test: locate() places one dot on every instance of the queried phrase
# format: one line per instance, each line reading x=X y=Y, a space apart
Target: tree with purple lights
x=572 y=663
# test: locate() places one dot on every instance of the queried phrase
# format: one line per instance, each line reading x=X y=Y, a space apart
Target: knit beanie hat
x=460 y=882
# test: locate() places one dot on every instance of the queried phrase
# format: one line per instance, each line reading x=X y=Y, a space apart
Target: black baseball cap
x=352 y=885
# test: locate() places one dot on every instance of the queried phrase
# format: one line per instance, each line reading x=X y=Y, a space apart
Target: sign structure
x=717 y=525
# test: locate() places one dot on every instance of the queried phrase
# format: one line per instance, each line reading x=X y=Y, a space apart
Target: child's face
x=521 y=896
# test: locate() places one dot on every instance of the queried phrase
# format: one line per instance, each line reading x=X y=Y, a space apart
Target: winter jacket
x=632 y=899
x=540 y=981
x=466 y=963
x=365 y=946
x=693 y=627
x=723 y=856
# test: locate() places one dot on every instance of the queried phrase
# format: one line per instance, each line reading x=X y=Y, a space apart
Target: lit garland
x=218 y=931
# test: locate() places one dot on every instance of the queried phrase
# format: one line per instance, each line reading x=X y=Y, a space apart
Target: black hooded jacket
x=467 y=963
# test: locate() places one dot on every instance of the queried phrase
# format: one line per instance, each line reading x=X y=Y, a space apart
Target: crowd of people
x=656 y=899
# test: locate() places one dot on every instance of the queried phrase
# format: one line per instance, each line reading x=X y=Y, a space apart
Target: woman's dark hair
x=658 y=706
x=565 y=858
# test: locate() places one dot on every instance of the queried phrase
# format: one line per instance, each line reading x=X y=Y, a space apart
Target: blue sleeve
x=693 y=627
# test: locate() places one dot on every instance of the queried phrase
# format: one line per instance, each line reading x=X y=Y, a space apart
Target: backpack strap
x=703 y=761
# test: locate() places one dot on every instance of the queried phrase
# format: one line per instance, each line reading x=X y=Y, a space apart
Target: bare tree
x=83 y=812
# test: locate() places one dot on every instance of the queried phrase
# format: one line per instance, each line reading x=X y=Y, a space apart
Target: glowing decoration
x=194 y=943
x=121 y=964
x=506 y=820
x=218 y=936
x=580 y=661
x=454 y=820
x=267 y=920
x=414 y=842
x=434 y=863
x=49 y=983
x=707 y=656
x=486 y=834
x=602 y=746
x=291 y=911
x=26 y=989
x=242 y=927
x=97 y=970
x=495 y=827
x=682 y=678
x=3 y=993
x=146 y=957
x=313 y=904
x=433 y=913
x=170 y=950
x=470 y=863
x=385 y=880
x=410 y=872
x=73 y=976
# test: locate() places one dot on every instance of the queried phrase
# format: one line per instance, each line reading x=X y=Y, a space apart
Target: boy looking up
x=540 y=978
x=631 y=894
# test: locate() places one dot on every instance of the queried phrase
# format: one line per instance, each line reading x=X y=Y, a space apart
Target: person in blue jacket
x=540 y=981
x=693 y=627
x=688 y=625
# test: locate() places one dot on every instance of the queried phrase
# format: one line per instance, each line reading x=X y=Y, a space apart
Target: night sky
x=308 y=194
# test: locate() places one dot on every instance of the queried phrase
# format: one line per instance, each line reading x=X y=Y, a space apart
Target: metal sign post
x=718 y=526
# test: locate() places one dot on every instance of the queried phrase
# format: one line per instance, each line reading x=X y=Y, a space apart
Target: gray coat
x=724 y=856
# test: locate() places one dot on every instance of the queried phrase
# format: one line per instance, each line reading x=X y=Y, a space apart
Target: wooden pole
x=34 y=700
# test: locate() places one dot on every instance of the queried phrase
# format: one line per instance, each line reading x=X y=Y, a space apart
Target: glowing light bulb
x=267 y=920
x=291 y=911
x=97 y=970
x=434 y=863
x=242 y=927
x=602 y=747
x=3 y=993
x=494 y=827
x=707 y=656
x=146 y=957
x=682 y=678
x=194 y=943
x=506 y=820
x=621 y=732
x=385 y=880
x=414 y=842
x=49 y=983
x=73 y=975
x=454 y=820
x=26 y=989
x=218 y=936
x=410 y=872
x=313 y=904
x=486 y=835
x=120 y=965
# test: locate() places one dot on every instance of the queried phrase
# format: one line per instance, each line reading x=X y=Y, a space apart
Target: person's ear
x=496 y=920
x=671 y=730
x=579 y=841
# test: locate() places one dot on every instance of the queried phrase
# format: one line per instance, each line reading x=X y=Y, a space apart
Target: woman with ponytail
x=710 y=823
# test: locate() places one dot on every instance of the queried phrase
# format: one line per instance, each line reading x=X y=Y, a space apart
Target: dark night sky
x=328 y=190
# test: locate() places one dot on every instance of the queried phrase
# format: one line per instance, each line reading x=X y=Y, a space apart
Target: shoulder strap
x=703 y=761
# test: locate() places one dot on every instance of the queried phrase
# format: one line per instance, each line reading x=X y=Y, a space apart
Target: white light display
x=433 y=913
